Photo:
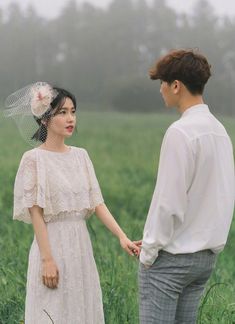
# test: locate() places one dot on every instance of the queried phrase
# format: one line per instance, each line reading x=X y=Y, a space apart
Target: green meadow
x=125 y=151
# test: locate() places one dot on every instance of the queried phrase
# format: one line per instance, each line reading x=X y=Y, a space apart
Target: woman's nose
x=71 y=116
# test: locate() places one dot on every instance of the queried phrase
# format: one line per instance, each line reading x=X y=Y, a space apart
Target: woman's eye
x=62 y=112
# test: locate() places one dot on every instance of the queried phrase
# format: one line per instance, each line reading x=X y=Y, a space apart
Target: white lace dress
x=65 y=186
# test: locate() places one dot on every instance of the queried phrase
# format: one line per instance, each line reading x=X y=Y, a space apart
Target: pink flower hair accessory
x=42 y=96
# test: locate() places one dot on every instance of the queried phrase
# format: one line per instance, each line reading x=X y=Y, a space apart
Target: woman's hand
x=50 y=274
x=108 y=220
x=138 y=243
x=132 y=248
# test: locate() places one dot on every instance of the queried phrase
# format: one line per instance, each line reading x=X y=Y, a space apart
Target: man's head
x=188 y=67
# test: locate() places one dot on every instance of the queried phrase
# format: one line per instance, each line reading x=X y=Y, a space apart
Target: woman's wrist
x=122 y=236
x=45 y=259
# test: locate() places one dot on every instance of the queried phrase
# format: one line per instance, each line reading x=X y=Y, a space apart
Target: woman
x=56 y=190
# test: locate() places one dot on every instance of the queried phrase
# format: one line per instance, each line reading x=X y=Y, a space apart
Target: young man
x=192 y=205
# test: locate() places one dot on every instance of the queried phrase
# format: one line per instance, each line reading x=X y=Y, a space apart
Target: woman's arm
x=108 y=220
x=50 y=272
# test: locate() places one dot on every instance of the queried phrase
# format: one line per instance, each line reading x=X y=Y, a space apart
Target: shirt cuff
x=147 y=257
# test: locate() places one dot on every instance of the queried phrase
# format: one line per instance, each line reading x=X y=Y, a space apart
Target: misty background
x=103 y=53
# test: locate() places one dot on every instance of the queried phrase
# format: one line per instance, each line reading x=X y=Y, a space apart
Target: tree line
x=103 y=55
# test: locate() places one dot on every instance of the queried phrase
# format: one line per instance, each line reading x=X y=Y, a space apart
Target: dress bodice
x=57 y=182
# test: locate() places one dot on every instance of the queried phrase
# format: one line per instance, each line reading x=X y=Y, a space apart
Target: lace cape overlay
x=57 y=182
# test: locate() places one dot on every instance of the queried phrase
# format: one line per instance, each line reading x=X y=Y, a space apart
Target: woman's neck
x=56 y=146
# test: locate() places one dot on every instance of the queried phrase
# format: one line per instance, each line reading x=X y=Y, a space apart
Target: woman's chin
x=68 y=135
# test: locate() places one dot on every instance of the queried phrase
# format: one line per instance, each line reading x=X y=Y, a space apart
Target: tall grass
x=125 y=151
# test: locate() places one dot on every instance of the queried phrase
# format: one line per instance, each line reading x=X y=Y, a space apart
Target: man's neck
x=189 y=101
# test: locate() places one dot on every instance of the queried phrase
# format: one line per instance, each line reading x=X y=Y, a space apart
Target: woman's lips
x=70 y=128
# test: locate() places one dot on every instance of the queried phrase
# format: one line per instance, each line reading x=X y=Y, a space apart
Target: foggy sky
x=51 y=8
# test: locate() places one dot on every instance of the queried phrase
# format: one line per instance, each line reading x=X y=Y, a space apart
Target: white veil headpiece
x=28 y=106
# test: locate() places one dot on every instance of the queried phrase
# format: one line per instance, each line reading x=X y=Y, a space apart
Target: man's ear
x=176 y=85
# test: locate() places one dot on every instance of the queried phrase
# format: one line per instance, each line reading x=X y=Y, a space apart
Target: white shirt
x=193 y=201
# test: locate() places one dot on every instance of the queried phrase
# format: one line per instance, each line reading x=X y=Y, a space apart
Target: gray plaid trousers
x=170 y=290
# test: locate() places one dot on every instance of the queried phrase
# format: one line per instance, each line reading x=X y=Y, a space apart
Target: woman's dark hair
x=56 y=104
x=188 y=66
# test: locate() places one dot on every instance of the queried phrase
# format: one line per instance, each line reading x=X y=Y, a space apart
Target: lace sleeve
x=95 y=194
x=27 y=191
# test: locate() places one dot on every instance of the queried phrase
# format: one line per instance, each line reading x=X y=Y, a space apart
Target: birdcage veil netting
x=28 y=107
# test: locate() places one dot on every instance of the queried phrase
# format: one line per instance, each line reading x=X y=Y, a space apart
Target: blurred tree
x=65 y=34
x=141 y=39
x=138 y=95
x=225 y=72
x=206 y=35
x=103 y=55
x=121 y=27
x=162 y=28
x=12 y=62
x=205 y=29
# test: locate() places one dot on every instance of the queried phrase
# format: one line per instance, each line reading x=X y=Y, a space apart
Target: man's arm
x=169 y=201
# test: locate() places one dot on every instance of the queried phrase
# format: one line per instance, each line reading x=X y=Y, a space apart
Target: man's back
x=192 y=205
x=210 y=183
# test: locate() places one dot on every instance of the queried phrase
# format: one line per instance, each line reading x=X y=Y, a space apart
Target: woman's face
x=64 y=121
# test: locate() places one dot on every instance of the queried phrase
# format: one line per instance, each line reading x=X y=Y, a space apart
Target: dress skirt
x=78 y=298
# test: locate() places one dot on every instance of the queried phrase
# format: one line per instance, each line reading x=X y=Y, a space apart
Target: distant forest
x=103 y=55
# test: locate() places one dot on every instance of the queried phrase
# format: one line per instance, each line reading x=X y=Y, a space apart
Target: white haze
x=51 y=8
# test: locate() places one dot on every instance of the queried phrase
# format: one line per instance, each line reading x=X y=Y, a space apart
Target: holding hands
x=103 y=213
x=132 y=248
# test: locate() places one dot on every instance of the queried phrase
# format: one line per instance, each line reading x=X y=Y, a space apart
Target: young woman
x=56 y=190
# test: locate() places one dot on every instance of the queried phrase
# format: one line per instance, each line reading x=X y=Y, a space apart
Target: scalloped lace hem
x=61 y=214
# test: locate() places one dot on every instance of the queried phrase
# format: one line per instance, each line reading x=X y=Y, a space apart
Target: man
x=192 y=205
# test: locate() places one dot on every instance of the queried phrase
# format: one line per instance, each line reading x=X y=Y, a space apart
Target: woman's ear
x=44 y=122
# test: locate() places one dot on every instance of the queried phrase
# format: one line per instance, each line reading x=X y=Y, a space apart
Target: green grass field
x=125 y=151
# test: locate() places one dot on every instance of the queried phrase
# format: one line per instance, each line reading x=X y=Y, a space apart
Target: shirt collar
x=200 y=108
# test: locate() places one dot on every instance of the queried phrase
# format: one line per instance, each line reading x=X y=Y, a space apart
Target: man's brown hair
x=188 y=66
